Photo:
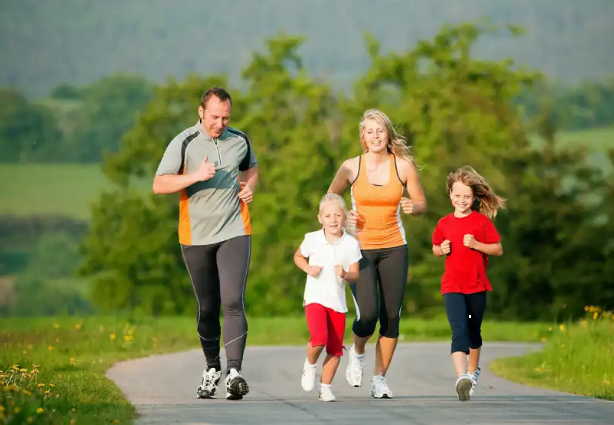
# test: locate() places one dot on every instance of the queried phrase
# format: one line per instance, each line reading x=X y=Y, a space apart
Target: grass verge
x=577 y=358
x=54 y=368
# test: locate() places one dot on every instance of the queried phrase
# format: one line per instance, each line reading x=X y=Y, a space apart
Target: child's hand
x=445 y=247
x=314 y=271
x=407 y=205
x=340 y=272
x=470 y=242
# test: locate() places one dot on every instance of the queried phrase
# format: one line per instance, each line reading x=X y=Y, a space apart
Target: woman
x=377 y=179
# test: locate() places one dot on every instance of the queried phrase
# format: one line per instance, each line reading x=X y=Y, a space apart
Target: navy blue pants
x=466 y=330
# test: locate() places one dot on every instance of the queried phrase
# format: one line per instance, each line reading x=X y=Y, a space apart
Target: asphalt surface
x=163 y=389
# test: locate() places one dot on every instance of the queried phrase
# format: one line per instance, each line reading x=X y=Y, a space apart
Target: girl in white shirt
x=330 y=257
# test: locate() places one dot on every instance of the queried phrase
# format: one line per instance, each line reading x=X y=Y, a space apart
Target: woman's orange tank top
x=379 y=222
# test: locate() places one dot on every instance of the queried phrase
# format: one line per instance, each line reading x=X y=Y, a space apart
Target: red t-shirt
x=465 y=267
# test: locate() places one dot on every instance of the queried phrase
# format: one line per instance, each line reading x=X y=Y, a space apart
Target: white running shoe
x=355 y=367
x=379 y=387
x=475 y=377
x=309 y=376
x=463 y=387
x=236 y=386
x=326 y=394
x=208 y=385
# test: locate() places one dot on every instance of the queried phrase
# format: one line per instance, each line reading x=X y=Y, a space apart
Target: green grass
x=69 y=189
x=74 y=353
x=598 y=141
x=51 y=189
x=577 y=358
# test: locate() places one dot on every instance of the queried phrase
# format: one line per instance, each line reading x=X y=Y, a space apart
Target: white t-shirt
x=327 y=288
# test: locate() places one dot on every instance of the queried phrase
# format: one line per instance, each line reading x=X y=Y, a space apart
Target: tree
x=456 y=110
x=108 y=110
x=26 y=130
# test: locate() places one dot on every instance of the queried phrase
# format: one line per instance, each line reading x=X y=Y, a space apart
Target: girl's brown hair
x=486 y=201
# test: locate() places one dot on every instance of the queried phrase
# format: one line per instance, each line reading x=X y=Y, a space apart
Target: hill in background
x=47 y=43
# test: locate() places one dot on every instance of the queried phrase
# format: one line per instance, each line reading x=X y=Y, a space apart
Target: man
x=215 y=170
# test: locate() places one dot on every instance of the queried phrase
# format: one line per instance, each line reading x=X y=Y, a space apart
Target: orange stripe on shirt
x=185 y=229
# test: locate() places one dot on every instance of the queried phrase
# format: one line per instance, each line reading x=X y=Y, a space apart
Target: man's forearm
x=172 y=183
x=250 y=177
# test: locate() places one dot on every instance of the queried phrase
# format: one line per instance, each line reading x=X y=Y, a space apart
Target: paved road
x=163 y=388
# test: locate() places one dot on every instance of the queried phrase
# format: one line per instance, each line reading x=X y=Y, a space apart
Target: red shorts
x=326 y=327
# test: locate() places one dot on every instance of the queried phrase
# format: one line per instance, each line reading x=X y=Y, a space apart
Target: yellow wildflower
x=40 y=410
x=113 y=336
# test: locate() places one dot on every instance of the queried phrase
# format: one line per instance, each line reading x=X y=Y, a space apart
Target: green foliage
x=56 y=256
x=108 y=110
x=36 y=295
x=586 y=105
x=75 y=124
x=27 y=131
x=456 y=109
x=577 y=358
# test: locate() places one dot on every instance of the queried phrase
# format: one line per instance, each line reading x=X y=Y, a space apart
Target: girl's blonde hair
x=486 y=201
x=333 y=197
x=397 y=144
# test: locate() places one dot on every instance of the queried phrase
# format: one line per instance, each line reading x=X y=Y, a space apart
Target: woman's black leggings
x=387 y=267
x=465 y=313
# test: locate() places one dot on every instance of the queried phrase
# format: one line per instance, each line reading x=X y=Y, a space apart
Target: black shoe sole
x=237 y=388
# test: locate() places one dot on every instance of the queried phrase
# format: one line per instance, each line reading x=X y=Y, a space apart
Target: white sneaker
x=379 y=387
x=475 y=377
x=208 y=385
x=463 y=387
x=355 y=367
x=236 y=386
x=326 y=394
x=309 y=376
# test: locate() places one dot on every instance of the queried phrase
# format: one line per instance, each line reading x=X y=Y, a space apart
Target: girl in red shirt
x=466 y=237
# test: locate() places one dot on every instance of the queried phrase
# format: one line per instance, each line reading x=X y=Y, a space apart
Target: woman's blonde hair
x=486 y=201
x=397 y=144
x=333 y=197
